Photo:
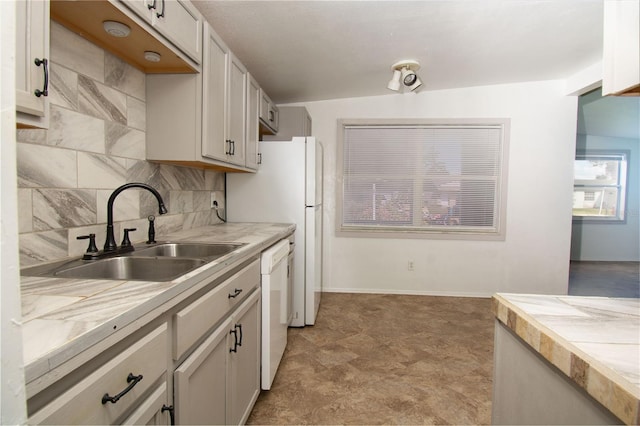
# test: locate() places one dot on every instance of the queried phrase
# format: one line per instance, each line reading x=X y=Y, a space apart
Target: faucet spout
x=110 y=243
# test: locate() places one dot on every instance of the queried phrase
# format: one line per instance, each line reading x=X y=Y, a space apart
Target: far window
x=425 y=178
x=600 y=184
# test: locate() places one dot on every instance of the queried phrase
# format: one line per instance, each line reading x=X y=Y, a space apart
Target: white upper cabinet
x=292 y=122
x=177 y=20
x=214 y=78
x=621 y=48
x=224 y=102
x=268 y=112
x=236 y=109
x=253 y=127
x=32 y=63
x=200 y=120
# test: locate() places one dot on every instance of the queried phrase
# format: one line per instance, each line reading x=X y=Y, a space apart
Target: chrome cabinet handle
x=132 y=380
x=45 y=88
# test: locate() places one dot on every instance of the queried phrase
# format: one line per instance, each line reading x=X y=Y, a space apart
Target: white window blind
x=423 y=178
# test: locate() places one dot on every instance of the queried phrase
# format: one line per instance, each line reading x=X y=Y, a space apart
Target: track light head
x=394 y=83
x=405 y=71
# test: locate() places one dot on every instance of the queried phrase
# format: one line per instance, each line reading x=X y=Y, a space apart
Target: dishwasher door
x=275 y=297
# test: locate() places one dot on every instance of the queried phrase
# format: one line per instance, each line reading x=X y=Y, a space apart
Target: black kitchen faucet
x=110 y=243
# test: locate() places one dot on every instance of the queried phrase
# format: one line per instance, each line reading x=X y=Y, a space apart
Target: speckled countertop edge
x=604 y=384
x=68 y=316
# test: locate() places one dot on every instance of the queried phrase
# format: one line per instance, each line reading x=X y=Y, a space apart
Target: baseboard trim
x=407 y=292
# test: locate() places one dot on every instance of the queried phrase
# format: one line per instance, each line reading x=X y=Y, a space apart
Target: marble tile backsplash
x=95 y=143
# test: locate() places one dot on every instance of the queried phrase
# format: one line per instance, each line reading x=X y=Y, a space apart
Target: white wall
x=534 y=258
x=13 y=408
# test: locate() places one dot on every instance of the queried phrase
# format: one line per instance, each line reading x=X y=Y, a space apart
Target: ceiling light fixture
x=405 y=72
x=116 y=29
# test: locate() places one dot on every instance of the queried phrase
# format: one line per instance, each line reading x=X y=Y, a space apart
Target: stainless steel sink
x=131 y=268
x=193 y=250
x=161 y=262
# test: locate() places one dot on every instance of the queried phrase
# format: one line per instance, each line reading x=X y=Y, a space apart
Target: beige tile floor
x=386 y=359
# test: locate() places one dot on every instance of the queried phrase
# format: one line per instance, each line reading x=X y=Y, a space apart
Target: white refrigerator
x=287 y=189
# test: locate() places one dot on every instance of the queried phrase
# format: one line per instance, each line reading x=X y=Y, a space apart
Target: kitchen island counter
x=594 y=342
x=65 y=321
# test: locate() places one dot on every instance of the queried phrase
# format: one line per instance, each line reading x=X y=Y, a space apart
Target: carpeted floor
x=386 y=359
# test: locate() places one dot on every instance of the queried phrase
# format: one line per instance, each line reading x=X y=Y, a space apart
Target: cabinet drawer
x=192 y=322
x=82 y=404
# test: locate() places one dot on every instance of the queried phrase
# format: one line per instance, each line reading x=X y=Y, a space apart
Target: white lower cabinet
x=198 y=362
x=200 y=383
x=115 y=388
x=219 y=382
x=244 y=365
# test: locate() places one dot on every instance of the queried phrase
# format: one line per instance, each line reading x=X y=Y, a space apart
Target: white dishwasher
x=275 y=309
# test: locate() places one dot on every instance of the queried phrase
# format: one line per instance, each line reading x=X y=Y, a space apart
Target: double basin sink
x=161 y=262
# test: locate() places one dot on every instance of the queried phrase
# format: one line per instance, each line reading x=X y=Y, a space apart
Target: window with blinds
x=445 y=179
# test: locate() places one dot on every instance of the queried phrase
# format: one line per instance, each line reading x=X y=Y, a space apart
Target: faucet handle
x=92 y=242
x=125 y=241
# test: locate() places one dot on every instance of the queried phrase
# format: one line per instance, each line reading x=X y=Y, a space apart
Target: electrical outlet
x=410 y=265
x=217 y=200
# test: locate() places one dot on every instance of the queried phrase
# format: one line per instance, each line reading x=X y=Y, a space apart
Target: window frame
x=623 y=187
x=443 y=233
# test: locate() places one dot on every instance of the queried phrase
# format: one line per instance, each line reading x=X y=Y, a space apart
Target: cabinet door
x=200 y=383
x=214 y=99
x=253 y=105
x=142 y=8
x=268 y=112
x=244 y=372
x=237 y=87
x=621 y=48
x=150 y=411
x=181 y=24
x=32 y=43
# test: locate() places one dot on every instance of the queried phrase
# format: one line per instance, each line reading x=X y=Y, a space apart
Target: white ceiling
x=313 y=50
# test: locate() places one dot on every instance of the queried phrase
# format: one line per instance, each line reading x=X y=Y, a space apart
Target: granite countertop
x=593 y=340
x=63 y=317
